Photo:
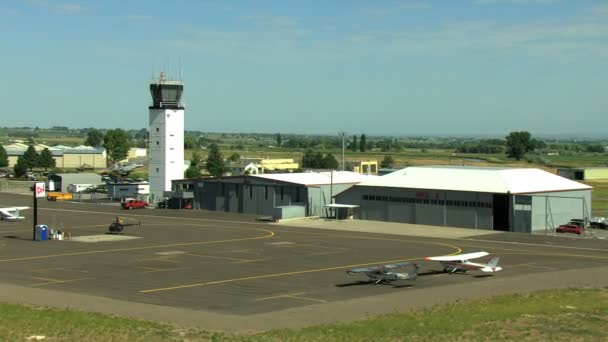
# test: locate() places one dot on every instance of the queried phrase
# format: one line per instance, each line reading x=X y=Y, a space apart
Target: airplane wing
x=397 y=265
x=364 y=269
x=458 y=257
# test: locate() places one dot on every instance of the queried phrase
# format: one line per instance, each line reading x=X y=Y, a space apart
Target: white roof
x=490 y=180
x=316 y=178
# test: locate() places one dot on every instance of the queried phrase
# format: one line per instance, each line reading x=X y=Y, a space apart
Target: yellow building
x=278 y=164
x=365 y=167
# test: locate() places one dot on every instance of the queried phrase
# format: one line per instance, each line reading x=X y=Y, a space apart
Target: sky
x=417 y=67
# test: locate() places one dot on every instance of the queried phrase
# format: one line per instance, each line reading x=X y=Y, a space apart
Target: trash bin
x=41 y=232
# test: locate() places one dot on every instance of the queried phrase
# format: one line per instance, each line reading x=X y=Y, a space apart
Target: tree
x=329 y=162
x=46 y=159
x=362 y=143
x=279 y=140
x=94 y=138
x=215 y=161
x=116 y=142
x=20 y=167
x=308 y=160
x=192 y=172
x=387 y=162
x=234 y=157
x=354 y=146
x=190 y=142
x=3 y=157
x=518 y=144
x=30 y=157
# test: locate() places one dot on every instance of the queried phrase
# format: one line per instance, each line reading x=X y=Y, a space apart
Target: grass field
x=599 y=200
x=558 y=315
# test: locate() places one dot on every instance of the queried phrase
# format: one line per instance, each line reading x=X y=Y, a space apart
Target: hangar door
x=500 y=212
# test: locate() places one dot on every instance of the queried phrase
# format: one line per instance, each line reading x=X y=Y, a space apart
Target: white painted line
x=171 y=253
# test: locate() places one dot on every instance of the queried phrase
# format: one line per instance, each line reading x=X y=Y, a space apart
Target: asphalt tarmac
x=232 y=264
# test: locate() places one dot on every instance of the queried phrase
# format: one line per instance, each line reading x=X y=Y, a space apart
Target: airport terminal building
x=517 y=200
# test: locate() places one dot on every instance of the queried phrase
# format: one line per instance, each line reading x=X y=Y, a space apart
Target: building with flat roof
x=583 y=173
x=305 y=193
x=79 y=157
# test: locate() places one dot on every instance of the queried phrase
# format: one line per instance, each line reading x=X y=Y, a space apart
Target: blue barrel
x=41 y=232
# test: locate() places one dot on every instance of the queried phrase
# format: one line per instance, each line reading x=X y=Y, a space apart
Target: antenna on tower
x=181 y=70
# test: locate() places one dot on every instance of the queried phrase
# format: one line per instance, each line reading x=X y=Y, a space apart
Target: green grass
x=557 y=315
x=599 y=197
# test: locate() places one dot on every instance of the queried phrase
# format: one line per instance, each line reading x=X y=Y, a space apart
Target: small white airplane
x=455 y=263
x=12 y=213
x=387 y=273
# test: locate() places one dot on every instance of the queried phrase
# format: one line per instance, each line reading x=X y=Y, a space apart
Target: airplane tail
x=494 y=262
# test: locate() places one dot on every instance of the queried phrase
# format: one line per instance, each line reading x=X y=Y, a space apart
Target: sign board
x=39 y=189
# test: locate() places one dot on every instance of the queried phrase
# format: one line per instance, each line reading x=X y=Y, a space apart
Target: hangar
x=517 y=200
x=281 y=195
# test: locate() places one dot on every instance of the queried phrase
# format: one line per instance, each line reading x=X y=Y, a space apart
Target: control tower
x=166 y=136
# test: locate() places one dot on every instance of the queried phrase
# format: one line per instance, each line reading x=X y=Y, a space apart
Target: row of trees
x=312 y=160
x=31 y=159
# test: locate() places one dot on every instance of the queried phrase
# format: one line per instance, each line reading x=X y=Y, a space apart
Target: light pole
x=343 y=166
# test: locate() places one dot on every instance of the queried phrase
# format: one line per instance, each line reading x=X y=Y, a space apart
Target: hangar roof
x=316 y=178
x=490 y=180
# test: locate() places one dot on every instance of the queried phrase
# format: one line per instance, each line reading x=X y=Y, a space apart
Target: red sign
x=39 y=189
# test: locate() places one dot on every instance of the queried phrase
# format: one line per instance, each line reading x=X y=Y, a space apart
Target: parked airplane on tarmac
x=462 y=263
x=385 y=273
x=12 y=213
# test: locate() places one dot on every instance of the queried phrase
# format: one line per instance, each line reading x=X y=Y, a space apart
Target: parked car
x=134 y=204
x=598 y=222
x=570 y=228
x=577 y=222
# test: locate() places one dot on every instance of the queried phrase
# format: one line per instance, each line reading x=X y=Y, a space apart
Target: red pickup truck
x=134 y=204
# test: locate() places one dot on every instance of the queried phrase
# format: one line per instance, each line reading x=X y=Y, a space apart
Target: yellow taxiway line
x=274 y=275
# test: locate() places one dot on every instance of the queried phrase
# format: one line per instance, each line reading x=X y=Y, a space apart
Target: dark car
x=570 y=228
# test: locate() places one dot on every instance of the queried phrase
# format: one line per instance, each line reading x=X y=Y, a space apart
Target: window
x=266 y=192
x=157 y=170
x=282 y=190
x=298 y=194
x=236 y=190
x=157 y=142
x=157 y=129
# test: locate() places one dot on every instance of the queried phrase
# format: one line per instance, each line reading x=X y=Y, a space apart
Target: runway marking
x=157 y=259
x=292 y=295
x=269 y=235
x=56 y=281
x=458 y=250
